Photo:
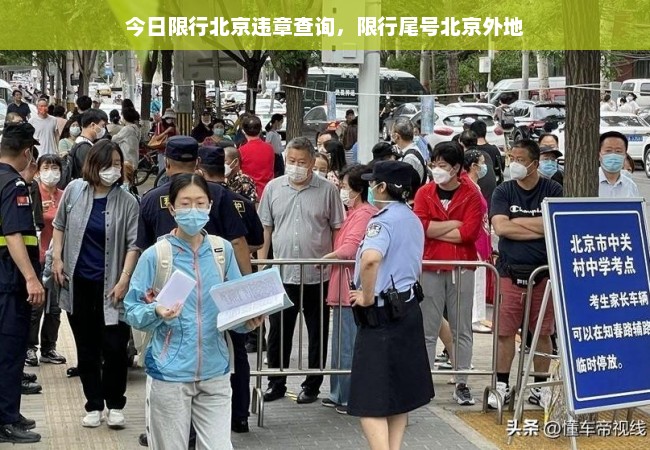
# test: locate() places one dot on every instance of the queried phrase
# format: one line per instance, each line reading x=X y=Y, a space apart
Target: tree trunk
x=252 y=78
x=199 y=97
x=149 y=66
x=452 y=72
x=542 y=75
x=294 y=112
x=425 y=69
x=86 y=60
x=525 y=71
x=292 y=67
x=167 y=58
x=583 y=120
x=434 y=83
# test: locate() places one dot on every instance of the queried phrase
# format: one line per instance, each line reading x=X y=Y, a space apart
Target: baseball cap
x=19 y=135
x=212 y=156
x=182 y=148
x=394 y=172
x=545 y=150
x=468 y=121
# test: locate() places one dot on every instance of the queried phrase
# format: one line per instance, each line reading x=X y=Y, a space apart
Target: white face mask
x=295 y=173
x=518 y=171
x=440 y=176
x=346 y=199
x=227 y=170
x=101 y=133
x=50 y=177
x=110 y=176
x=75 y=131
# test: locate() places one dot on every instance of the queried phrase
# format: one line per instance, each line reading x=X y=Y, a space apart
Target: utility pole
x=525 y=71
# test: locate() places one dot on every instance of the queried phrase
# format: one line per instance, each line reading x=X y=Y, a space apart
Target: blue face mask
x=192 y=220
x=548 y=167
x=612 y=162
x=482 y=170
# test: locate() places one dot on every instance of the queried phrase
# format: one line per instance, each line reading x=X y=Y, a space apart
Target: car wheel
x=646 y=162
x=384 y=134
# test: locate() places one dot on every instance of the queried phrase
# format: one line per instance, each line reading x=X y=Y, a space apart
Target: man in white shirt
x=611 y=183
x=46 y=130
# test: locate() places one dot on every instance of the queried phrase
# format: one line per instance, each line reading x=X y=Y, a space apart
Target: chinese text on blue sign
x=598 y=258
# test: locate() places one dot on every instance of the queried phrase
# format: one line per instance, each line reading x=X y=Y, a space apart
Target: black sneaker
x=28 y=388
x=239 y=426
x=72 y=372
x=142 y=440
x=52 y=357
x=15 y=434
x=31 y=359
x=26 y=424
x=328 y=403
x=463 y=395
x=31 y=377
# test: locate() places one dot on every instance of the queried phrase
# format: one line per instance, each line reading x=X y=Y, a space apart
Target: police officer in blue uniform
x=20 y=286
x=390 y=369
x=181 y=156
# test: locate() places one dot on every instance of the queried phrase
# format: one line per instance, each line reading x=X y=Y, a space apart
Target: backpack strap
x=164 y=266
x=219 y=254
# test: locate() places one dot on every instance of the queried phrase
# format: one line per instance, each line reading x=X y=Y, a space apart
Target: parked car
x=640 y=87
x=449 y=122
x=534 y=119
x=405 y=110
x=315 y=120
x=487 y=107
x=3 y=115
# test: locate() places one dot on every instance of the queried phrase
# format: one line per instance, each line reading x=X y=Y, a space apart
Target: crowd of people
x=76 y=237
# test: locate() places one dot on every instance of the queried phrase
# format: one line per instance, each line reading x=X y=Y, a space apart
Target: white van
x=513 y=85
x=640 y=87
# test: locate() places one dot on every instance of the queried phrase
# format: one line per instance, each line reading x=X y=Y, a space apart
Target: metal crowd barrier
x=261 y=371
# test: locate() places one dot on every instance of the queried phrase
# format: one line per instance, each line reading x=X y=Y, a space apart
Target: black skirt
x=390 y=368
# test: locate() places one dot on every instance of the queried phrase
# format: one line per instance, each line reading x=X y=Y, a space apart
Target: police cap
x=212 y=156
x=394 y=172
x=182 y=148
x=18 y=136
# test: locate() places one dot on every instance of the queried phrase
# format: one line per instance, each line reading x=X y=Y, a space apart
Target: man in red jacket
x=450 y=211
x=257 y=157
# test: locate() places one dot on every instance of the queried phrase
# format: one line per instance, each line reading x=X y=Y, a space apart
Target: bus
x=394 y=85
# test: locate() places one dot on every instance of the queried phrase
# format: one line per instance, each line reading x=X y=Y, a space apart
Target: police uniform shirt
x=397 y=234
x=156 y=221
x=246 y=210
x=16 y=216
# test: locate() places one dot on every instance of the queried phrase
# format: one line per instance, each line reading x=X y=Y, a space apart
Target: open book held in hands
x=253 y=295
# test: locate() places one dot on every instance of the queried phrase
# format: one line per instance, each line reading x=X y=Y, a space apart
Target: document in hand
x=176 y=290
x=260 y=293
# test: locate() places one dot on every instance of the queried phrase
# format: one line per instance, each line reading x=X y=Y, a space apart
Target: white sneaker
x=115 y=419
x=504 y=391
x=93 y=419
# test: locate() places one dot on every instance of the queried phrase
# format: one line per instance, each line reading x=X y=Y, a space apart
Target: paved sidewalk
x=59 y=410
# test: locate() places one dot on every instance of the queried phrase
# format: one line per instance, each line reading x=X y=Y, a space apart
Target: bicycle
x=147 y=165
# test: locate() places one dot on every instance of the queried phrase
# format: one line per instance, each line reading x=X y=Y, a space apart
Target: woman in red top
x=49 y=174
x=354 y=195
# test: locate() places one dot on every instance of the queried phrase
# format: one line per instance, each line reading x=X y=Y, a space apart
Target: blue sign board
x=598 y=261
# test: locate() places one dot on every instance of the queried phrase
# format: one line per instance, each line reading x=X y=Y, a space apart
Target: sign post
x=598 y=263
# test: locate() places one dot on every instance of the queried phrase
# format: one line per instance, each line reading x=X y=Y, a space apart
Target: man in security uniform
x=181 y=156
x=20 y=286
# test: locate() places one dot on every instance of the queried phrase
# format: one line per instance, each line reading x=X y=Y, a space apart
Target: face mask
x=296 y=174
x=101 y=133
x=227 y=170
x=518 y=171
x=630 y=98
x=612 y=162
x=75 y=131
x=110 y=176
x=205 y=122
x=482 y=170
x=192 y=220
x=218 y=131
x=548 y=168
x=50 y=177
x=346 y=199
x=440 y=176
x=320 y=174
x=372 y=200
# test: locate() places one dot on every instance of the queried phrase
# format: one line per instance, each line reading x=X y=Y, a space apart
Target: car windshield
x=622 y=121
x=457 y=120
x=548 y=112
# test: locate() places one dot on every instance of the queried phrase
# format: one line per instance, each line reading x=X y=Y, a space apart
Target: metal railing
x=261 y=371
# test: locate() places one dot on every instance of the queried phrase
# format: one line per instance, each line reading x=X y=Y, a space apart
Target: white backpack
x=164 y=268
